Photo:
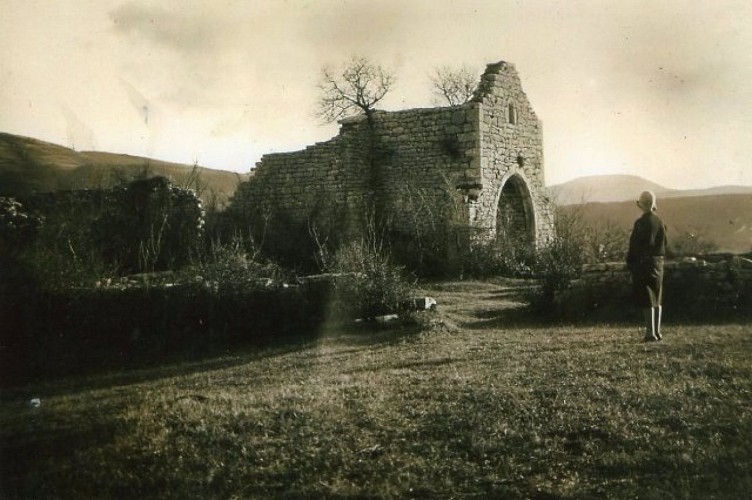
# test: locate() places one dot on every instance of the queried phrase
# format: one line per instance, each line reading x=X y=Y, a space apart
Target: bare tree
x=454 y=85
x=357 y=89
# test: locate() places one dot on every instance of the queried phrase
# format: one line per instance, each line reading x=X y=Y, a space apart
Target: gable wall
x=509 y=149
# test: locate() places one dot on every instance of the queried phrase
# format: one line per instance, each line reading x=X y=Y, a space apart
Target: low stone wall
x=47 y=334
x=711 y=287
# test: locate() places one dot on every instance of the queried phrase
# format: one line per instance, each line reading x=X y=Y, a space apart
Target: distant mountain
x=602 y=188
x=614 y=188
x=29 y=165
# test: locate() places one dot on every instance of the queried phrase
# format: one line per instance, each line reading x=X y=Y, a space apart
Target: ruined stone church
x=486 y=155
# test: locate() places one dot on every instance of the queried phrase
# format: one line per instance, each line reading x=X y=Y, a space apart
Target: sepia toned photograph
x=375 y=249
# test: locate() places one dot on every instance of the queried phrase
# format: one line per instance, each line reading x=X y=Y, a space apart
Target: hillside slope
x=725 y=220
x=29 y=165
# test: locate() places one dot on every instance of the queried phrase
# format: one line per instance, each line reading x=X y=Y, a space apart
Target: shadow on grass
x=86 y=379
x=53 y=444
x=507 y=318
x=353 y=337
x=512 y=308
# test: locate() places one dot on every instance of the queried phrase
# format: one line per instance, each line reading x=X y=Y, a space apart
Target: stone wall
x=418 y=155
x=713 y=287
x=511 y=149
x=420 y=166
x=423 y=155
x=324 y=174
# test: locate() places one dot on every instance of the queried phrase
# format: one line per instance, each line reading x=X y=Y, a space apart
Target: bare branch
x=454 y=86
x=357 y=89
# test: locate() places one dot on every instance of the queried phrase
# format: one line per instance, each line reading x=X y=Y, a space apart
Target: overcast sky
x=659 y=89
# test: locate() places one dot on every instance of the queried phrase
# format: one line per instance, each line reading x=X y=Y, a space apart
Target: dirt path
x=479 y=304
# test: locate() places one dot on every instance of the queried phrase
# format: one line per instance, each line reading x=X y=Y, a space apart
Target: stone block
x=458 y=117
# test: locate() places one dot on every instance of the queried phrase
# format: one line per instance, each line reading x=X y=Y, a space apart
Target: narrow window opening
x=512 y=114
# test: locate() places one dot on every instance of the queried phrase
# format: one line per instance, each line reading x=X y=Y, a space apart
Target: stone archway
x=515 y=219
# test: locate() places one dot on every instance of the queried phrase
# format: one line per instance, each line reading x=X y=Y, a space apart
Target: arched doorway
x=515 y=221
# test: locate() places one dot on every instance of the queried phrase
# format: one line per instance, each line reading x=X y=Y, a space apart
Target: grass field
x=485 y=403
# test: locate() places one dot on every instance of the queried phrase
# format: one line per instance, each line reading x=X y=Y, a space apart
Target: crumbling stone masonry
x=485 y=157
x=118 y=221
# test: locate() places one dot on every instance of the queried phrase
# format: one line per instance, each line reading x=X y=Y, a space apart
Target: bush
x=555 y=268
x=57 y=251
x=688 y=244
x=232 y=265
x=577 y=242
x=73 y=238
x=598 y=241
x=454 y=253
x=17 y=227
x=502 y=257
x=427 y=230
x=557 y=264
x=278 y=236
x=369 y=284
x=147 y=225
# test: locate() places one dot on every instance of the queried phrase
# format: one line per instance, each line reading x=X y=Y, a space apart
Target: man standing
x=647 y=250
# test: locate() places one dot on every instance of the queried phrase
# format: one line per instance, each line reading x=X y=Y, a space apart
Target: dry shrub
x=369 y=283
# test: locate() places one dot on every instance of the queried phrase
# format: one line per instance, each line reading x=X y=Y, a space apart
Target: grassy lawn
x=485 y=403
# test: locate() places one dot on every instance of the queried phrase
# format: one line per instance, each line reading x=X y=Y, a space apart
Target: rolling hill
x=721 y=215
x=29 y=165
